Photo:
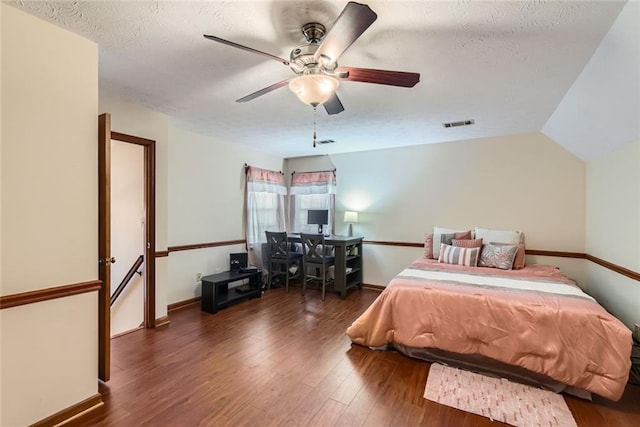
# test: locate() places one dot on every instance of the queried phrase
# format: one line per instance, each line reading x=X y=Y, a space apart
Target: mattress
x=535 y=318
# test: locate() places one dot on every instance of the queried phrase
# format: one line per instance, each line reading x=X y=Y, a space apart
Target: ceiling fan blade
x=381 y=77
x=333 y=105
x=263 y=91
x=249 y=49
x=354 y=19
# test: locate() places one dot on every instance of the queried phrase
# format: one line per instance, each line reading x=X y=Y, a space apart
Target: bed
x=532 y=324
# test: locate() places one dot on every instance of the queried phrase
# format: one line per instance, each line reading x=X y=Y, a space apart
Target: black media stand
x=217 y=294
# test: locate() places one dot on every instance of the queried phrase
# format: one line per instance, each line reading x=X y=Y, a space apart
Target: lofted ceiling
x=506 y=65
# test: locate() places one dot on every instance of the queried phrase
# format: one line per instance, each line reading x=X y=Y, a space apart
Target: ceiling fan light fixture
x=316 y=62
x=314 y=89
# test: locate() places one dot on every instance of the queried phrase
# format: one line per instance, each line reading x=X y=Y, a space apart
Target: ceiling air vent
x=326 y=141
x=460 y=123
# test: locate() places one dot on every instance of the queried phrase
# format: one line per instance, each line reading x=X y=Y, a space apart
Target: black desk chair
x=314 y=250
x=279 y=256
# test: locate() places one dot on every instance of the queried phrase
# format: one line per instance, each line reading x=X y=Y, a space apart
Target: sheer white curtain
x=311 y=190
x=265 y=208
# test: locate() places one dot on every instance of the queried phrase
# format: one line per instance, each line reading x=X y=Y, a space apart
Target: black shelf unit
x=217 y=294
x=353 y=264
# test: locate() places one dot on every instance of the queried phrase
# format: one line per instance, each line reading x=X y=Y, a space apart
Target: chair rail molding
x=561 y=254
x=38 y=295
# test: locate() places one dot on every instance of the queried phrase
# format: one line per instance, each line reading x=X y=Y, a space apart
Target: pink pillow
x=428 y=245
x=462 y=235
x=518 y=262
x=467 y=243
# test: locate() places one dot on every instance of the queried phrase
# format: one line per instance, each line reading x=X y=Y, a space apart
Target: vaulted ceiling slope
x=601 y=110
x=507 y=65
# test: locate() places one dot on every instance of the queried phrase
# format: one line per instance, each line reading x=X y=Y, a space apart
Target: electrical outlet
x=198 y=277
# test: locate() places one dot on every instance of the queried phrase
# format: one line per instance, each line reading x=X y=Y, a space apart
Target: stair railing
x=127 y=278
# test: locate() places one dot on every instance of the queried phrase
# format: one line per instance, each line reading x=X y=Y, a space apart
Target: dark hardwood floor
x=284 y=360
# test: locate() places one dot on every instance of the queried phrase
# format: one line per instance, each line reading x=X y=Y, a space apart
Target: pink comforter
x=569 y=338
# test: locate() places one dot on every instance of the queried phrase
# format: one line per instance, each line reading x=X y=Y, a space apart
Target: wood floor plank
x=406 y=385
x=319 y=365
x=379 y=416
x=314 y=401
x=328 y=415
x=603 y=412
x=284 y=360
x=359 y=408
x=374 y=378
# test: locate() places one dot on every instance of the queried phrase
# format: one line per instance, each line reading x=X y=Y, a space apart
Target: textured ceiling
x=507 y=65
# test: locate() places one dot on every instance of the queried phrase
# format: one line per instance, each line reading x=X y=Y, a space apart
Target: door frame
x=105 y=136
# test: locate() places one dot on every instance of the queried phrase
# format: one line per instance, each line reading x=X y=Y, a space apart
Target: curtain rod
x=246 y=169
x=334 y=171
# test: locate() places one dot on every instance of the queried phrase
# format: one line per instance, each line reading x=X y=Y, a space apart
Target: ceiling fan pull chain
x=314 y=126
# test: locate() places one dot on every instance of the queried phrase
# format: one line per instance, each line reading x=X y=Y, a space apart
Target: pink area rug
x=496 y=399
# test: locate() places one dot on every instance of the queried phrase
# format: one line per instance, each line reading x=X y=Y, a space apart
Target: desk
x=348 y=261
x=217 y=294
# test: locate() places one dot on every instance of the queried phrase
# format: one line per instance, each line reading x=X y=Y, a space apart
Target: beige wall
x=613 y=229
x=206 y=204
x=199 y=192
x=49 y=216
x=521 y=182
x=49 y=183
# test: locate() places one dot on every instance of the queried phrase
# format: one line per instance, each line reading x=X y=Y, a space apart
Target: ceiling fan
x=315 y=63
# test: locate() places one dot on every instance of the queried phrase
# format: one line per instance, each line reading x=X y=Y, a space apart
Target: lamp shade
x=350 y=216
x=314 y=89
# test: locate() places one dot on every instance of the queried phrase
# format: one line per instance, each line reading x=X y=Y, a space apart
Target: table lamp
x=350 y=217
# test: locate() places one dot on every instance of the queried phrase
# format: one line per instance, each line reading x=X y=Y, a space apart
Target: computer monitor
x=319 y=217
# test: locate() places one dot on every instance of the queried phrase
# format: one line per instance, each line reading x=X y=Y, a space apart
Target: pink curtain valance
x=313 y=182
x=265 y=181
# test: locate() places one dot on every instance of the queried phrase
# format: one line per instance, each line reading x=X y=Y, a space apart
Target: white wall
x=127 y=233
x=599 y=120
x=138 y=121
x=520 y=182
x=206 y=204
x=383 y=261
x=307 y=164
x=613 y=229
x=199 y=196
x=603 y=102
x=49 y=216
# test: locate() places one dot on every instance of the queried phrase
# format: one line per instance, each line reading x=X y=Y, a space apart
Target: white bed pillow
x=443 y=230
x=499 y=236
x=436 y=240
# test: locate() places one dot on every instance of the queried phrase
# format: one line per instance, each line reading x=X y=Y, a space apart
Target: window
x=265 y=208
x=304 y=202
x=311 y=190
x=265 y=213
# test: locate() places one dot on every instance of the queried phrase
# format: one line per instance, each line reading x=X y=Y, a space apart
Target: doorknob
x=111 y=260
